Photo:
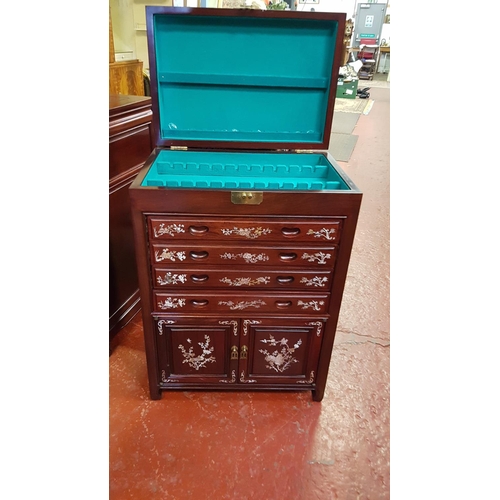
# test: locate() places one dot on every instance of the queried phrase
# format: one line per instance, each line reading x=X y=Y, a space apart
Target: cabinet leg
x=317 y=395
x=155 y=392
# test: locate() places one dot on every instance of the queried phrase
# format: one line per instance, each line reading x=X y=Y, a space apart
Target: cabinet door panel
x=195 y=349
x=281 y=351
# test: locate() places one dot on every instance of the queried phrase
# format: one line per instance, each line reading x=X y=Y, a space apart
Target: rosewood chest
x=243 y=224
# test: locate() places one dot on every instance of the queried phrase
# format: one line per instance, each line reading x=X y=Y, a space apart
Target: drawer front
x=129 y=150
x=231 y=255
x=192 y=302
x=204 y=277
x=244 y=230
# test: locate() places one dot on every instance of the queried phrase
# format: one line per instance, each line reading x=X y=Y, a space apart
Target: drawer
x=244 y=230
x=212 y=277
x=192 y=302
x=231 y=255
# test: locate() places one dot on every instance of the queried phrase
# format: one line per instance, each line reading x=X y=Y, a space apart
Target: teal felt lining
x=224 y=170
x=243 y=79
x=240 y=135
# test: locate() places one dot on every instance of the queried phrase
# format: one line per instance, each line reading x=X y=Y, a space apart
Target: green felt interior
x=231 y=170
x=243 y=78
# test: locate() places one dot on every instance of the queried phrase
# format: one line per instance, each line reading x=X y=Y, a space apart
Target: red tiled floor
x=216 y=445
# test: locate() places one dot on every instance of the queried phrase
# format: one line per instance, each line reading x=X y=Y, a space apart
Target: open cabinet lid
x=243 y=78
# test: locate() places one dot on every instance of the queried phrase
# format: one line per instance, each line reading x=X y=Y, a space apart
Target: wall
x=129 y=25
x=347 y=6
x=122 y=19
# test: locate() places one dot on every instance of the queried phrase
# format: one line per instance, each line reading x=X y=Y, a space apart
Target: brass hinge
x=179 y=148
x=304 y=151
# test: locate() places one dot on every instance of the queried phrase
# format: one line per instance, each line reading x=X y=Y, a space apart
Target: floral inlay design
x=248 y=322
x=313 y=304
x=167 y=380
x=171 y=303
x=172 y=279
x=328 y=234
x=198 y=361
x=263 y=280
x=321 y=257
x=167 y=254
x=279 y=360
x=316 y=281
x=171 y=230
x=248 y=232
x=246 y=381
x=319 y=327
x=242 y=304
x=164 y=322
x=310 y=381
x=249 y=258
x=232 y=380
x=233 y=323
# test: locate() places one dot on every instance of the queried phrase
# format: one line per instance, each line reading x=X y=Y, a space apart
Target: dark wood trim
x=150 y=341
x=124 y=314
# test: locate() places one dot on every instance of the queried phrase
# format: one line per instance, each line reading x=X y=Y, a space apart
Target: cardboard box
x=347 y=90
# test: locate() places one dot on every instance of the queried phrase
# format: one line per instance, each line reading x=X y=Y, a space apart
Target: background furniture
x=347 y=40
x=385 y=51
x=368 y=53
x=129 y=146
x=125 y=77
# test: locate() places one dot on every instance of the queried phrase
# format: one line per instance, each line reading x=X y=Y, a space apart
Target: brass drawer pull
x=244 y=351
x=199 y=278
x=199 y=302
x=285 y=257
x=290 y=231
x=234 y=352
x=285 y=279
x=197 y=230
x=198 y=255
x=247 y=197
x=281 y=304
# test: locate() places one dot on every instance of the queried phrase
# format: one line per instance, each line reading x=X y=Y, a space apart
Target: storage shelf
x=243 y=171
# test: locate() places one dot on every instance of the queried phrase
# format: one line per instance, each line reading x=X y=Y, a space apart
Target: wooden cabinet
x=129 y=146
x=126 y=78
x=242 y=242
x=271 y=352
x=241 y=296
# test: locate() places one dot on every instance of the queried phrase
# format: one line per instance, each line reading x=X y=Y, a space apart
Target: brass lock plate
x=247 y=197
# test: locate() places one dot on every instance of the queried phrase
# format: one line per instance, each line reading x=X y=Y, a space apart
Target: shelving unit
x=368 y=69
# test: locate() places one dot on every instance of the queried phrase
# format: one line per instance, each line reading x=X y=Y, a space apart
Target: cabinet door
x=280 y=350
x=197 y=350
